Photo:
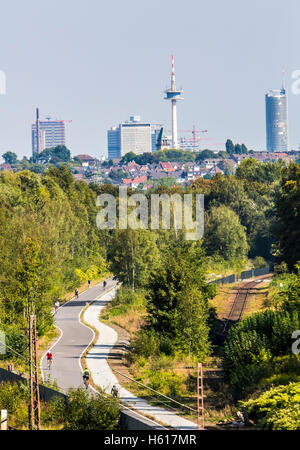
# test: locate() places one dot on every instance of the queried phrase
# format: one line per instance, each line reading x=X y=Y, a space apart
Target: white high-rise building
x=130 y=136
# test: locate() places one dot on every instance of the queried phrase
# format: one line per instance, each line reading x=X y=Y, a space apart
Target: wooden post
x=3 y=419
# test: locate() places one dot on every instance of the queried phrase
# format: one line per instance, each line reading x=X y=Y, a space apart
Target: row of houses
x=133 y=174
x=89 y=169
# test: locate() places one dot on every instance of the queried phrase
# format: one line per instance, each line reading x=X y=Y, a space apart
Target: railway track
x=239 y=304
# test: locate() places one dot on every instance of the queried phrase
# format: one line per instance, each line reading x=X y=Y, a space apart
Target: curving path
x=74 y=339
x=103 y=376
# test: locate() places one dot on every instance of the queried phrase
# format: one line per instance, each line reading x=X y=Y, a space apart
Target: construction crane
x=194 y=136
x=194 y=133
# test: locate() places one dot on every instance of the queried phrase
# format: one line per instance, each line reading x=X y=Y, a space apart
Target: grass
x=131 y=318
x=257 y=301
x=223 y=300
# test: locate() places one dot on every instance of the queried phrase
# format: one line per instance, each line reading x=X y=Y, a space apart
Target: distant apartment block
x=51 y=133
x=133 y=136
x=277 y=121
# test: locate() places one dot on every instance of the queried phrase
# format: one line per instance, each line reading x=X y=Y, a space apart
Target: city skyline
x=226 y=64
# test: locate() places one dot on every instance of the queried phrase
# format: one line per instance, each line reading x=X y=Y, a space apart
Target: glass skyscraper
x=277 y=121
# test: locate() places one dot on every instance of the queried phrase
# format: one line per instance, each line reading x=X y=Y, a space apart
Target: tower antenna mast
x=173 y=95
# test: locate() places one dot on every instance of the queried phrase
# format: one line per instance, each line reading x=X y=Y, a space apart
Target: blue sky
x=97 y=63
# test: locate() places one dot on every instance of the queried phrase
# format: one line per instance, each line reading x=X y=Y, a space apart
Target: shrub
x=130 y=297
x=85 y=412
x=11 y=395
x=160 y=363
x=259 y=262
x=277 y=409
x=255 y=341
x=166 y=383
x=166 y=345
x=146 y=343
x=16 y=342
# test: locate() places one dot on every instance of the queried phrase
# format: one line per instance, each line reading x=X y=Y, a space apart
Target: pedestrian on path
x=89 y=283
x=114 y=391
x=56 y=305
x=76 y=293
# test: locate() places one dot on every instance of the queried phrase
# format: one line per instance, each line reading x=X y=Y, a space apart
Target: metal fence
x=246 y=274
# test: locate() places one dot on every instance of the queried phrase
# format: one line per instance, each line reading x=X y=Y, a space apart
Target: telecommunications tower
x=174 y=94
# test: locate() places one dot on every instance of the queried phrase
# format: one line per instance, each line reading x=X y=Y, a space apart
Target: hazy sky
x=97 y=63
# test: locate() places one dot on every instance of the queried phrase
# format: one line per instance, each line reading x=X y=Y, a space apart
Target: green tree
x=225 y=235
x=55 y=155
x=133 y=255
x=287 y=216
x=205 y=154
x=290 y=294
x=130 y=156
x=178 y=298
x=10 y=158
x=229 y=147
x=252 y=170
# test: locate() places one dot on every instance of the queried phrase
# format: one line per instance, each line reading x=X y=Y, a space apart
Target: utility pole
x=200 y=400
x=34 y=405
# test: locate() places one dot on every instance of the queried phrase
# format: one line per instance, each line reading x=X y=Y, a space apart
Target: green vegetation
x=287 y=216
x=47 y=234
x=10 y=158
x=277 y=409
x=50 y=245
x=80 y=411
x=253 y=343
x=160 y=155
x=232 y=149
x=178 y=301
x=133 y=254
x=225 y=236
x=259 y=172
x=53 y=155
x=83 y=411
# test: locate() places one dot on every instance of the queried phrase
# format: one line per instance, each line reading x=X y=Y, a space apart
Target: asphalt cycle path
x=74 y=339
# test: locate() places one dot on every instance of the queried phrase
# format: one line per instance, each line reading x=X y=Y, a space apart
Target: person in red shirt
x=49 y=359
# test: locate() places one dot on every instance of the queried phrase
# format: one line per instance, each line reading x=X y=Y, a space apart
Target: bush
x=126 y=296
x=166 y=345
x=11 y=396
x=145 y=344
x=255 y=341
x=259 y=262
x=85 y=412
x=166 y=383
x=277 y=409
x=16 y=342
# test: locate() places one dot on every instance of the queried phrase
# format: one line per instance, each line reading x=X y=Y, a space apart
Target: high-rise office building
x=51 y=133
x=277 y=121
x=132 y=136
